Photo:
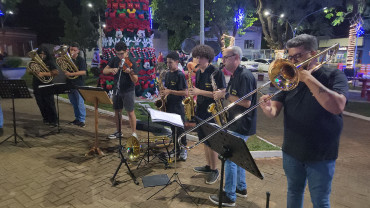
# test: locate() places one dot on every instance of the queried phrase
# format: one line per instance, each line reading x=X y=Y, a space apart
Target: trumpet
x=36 y=65
x=283 y=74
x=64 y=61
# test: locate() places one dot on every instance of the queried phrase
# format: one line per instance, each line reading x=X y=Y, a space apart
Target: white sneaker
x=134 y=135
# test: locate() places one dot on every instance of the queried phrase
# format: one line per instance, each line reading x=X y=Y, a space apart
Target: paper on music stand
x=171 y=118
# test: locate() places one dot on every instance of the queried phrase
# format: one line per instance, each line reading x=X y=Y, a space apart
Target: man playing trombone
x=312 y=124
x=241 y=83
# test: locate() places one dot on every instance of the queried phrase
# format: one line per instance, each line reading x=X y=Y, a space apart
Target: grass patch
x=358 y=108
x=255 y=144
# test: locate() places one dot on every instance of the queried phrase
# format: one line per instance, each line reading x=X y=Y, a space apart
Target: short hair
x=173 y=55
x=75 y=44
x=308 y=42
x=120 y=46
x=203 y=51
x=237 y=51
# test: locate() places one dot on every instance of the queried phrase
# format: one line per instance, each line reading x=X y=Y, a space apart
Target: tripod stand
x=14 y=89
x=122 y=157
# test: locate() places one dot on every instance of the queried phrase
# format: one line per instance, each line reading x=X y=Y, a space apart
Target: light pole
x=300 y=21
x=4 y=16
x=281 y=16
x=90 y=5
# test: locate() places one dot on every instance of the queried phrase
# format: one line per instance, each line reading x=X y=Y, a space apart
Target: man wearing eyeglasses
x=241 y=83
x=312 y=125
x=125 y=78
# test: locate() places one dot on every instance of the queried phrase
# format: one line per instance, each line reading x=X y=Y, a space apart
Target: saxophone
x=214 y=108
x=188 y=102
x=36 y=65
x=161 y=103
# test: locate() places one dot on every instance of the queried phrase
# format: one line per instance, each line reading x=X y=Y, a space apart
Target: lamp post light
x=281 y=16
x=90 y=5
x=4 y=16
x=300 y=21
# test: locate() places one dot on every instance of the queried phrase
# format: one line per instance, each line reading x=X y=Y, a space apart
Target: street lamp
x=4 y=16
x=281 y=16
x=90 y=5
x=300 y=21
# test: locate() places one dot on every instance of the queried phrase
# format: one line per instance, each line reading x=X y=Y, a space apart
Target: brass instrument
x=283 y=74
x=161 y=103
x=217 y=105
x=64 y=61
x=133 y=148
x=188 y=102
x=36 y=65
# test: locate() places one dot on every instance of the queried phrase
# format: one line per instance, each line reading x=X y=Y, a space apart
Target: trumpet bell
x=283 y=74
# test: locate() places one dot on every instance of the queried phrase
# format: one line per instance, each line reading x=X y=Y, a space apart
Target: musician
x=241 y=83
x=74 y=96
x=312 y=124
x=175 y=90
x=45 y=100
x=203 y=90
x=125 y=77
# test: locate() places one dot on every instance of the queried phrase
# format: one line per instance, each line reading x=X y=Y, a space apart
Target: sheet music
x=171 y=118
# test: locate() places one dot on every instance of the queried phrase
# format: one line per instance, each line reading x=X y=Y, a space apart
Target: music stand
x=14 y=89
x=55 y=89
x=230 y=147
x=95 y=95
x=146 y=108
x=175 y=120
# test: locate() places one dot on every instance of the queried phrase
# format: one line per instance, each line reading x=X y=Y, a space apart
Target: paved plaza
x=55 y=173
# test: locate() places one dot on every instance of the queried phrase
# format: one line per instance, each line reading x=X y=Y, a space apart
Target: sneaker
x=226 y=201
x=183 y=154
x=212 y=177
x=53 y=124
x=202 y=169
x=241 y=193
x=134 y=135
x=115 y=135
x=81 y=124
x=75 y=122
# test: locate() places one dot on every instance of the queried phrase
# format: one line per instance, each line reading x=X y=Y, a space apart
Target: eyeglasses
x=226 y=57
x=297 y=56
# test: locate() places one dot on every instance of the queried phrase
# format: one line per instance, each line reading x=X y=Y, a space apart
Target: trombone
x=283 y=74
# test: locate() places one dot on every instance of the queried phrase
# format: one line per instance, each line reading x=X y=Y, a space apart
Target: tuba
x=188 y=102
x=161 y=103
x=217 y=106
x=283 y=74
x=36 y=65
x=64 y=61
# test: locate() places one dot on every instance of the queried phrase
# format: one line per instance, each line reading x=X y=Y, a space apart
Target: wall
x=17 y=41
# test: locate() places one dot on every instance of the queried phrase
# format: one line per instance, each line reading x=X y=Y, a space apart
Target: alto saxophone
x=217 y=106
x=161 y=103
x=188 y=102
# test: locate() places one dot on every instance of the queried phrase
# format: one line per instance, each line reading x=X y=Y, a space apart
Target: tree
x=7 y=6
x=183 y=17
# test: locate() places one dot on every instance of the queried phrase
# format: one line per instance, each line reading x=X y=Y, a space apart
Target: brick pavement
x=55 y=172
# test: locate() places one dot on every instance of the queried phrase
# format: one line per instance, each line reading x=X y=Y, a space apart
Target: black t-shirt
x=36 y=82
x=175 y=81
x=125 y=82
x=81 y=65
x=310 y=132
x=203 y=82
x=241 y=83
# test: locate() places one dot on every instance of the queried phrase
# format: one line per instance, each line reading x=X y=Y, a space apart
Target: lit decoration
x=1 y=13
x=239 y=18
x=359 y=30
x=151 y=17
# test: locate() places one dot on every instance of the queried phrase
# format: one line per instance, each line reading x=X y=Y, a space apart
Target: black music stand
x=123 y=159
x=55 y=89
x=230 y=147
x=145 y=108
x=95 y=95
x=14 y=89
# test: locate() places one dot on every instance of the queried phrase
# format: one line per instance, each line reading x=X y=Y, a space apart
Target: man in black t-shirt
x=74 y=96
x=312 y=124
x=175 y=90
x=203 y=90
x=241 y=83
x=125 y=77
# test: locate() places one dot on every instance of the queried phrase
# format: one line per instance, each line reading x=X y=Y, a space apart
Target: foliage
x=182 y=18
x=9 y=4
x=12 y=62
x=346 y=9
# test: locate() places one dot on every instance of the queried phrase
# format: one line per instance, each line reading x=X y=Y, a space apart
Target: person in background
x=74 y=96
x=160 y=58
x=241 y=83
x=312 y=124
